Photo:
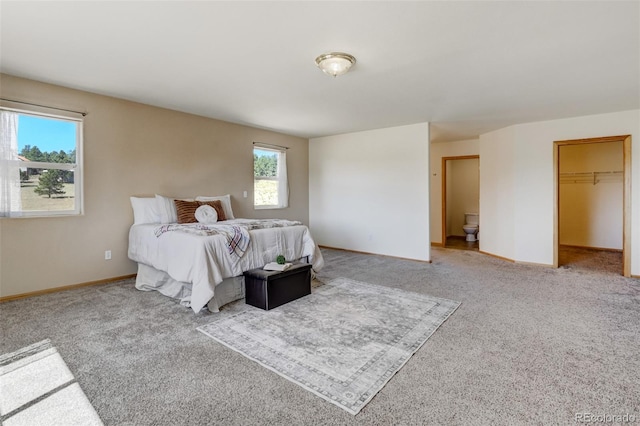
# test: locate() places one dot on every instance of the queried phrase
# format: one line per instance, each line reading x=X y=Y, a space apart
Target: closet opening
x=461 y=202
x=592 y=201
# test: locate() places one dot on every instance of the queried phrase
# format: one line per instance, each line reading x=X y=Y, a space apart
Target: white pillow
x=145 y=210
x=206 y=214
x=167 y=211
x=224 y=199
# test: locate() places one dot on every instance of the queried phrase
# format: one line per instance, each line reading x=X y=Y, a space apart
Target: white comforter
x=204 y=261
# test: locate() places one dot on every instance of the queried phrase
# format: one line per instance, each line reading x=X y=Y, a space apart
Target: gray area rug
x=343 y=342
x=37 y=388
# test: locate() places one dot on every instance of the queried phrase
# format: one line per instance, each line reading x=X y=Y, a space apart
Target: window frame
x=76 y=168
x=280 y=178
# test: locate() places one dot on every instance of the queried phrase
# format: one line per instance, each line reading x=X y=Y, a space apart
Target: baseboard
x=437 y=245
x=544 y=265
x=64 y=288
x=375 y=254
x=519 y=262
x=497 y=257
x=592 y=248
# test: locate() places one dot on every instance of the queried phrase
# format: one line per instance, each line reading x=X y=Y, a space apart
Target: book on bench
x=273 y=266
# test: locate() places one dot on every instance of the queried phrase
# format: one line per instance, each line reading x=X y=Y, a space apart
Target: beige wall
x=591 y=215
x=133 y=149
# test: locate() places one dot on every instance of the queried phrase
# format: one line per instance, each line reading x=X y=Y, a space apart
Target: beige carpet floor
x=528 y=345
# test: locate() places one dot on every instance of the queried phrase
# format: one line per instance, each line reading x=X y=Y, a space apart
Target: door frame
x=443 y=173
x=626 y=195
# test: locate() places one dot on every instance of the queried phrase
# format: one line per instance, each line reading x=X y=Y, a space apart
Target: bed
x=201 y=264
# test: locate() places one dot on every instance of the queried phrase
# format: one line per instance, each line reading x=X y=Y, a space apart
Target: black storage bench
x=270 y=289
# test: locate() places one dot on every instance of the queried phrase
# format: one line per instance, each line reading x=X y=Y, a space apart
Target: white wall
x=497 y=192
x=437 y=151
x=463 y=194
x=591 y=215
x=369 y=191
x=517 y=190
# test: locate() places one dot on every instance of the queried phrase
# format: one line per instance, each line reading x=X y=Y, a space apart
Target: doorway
x=460 y=195
x=592 y=200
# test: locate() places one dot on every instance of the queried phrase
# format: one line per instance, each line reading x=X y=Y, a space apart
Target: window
x=270 y=188
x=41 y=164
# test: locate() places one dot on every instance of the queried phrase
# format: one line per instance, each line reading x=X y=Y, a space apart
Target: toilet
x=471 y=226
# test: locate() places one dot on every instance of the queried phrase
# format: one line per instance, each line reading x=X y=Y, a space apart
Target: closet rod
x=590 y=173
x=84 y=114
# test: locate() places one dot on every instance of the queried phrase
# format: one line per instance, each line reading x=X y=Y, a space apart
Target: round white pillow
x=206 y=214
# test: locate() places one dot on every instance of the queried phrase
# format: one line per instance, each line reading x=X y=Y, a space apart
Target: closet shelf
x=591 y=177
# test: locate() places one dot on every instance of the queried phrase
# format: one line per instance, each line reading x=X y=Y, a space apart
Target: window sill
x=34 y=215
x=268 y=208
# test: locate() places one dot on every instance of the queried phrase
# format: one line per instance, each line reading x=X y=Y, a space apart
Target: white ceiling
x=467 y=67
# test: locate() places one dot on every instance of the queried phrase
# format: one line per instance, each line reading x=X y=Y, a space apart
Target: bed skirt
x=149 y=278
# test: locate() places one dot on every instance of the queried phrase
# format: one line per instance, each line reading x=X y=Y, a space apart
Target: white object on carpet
x=343 y=342
x=36 y=387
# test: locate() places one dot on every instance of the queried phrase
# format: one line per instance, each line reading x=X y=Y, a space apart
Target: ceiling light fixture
x=335 y=63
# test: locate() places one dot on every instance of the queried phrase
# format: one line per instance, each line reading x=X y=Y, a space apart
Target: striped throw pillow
x=186 y=210
x=217 y=204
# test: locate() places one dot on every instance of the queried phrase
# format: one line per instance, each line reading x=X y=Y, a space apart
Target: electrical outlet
x=107 y=255
x=244 y=194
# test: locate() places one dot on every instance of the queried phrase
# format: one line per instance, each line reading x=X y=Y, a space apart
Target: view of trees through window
x=265 y=175
x=265 y=165
x=45 y=186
